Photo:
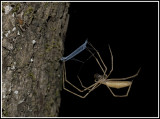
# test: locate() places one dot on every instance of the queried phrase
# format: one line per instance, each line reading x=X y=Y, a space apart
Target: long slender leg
x=65 y=79
x=78 y=94
x=81 y=69
x=97 y=62
x=111 y=61
x=81 y=82
x=129 y=89
x=125 y=77
x=92 y=55
x=92 y=88
x=104 y=70
x=111 y=91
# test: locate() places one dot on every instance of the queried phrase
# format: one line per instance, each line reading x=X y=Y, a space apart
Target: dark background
x=131 y=30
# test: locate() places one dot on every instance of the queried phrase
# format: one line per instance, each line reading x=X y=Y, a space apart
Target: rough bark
x=32 y=44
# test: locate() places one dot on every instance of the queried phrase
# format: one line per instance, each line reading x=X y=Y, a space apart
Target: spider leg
x=105 y=67
x=95 y=85
x=78 y=94
x=81 y=82
x=125 y=77
x=93 y=55
x=81 y=69
x=128 y=90
x=65 y=80
x=111 y=61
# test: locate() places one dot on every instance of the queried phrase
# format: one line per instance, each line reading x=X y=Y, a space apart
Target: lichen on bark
x=32 y=44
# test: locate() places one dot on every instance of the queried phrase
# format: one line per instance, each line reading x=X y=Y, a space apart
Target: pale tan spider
x=116 y=83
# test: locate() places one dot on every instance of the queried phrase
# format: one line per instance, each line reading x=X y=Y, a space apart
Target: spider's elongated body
x=113 y=84
x=118 y=84
x=104 y=79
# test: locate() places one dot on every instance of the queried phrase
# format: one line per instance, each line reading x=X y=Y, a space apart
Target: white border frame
x=80 y=1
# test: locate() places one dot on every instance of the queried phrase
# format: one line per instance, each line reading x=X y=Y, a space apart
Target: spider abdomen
x=118 y=84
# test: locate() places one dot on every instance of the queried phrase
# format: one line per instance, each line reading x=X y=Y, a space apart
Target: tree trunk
x=33 y=36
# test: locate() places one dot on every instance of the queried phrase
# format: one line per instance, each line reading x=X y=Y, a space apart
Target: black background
x=131 y=30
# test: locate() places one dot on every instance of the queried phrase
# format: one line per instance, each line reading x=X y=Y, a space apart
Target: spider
x=104 y=79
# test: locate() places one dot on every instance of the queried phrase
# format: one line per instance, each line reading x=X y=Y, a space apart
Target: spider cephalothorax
x=100 y=78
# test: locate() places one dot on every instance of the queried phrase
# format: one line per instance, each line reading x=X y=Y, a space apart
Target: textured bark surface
x=32 y=44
